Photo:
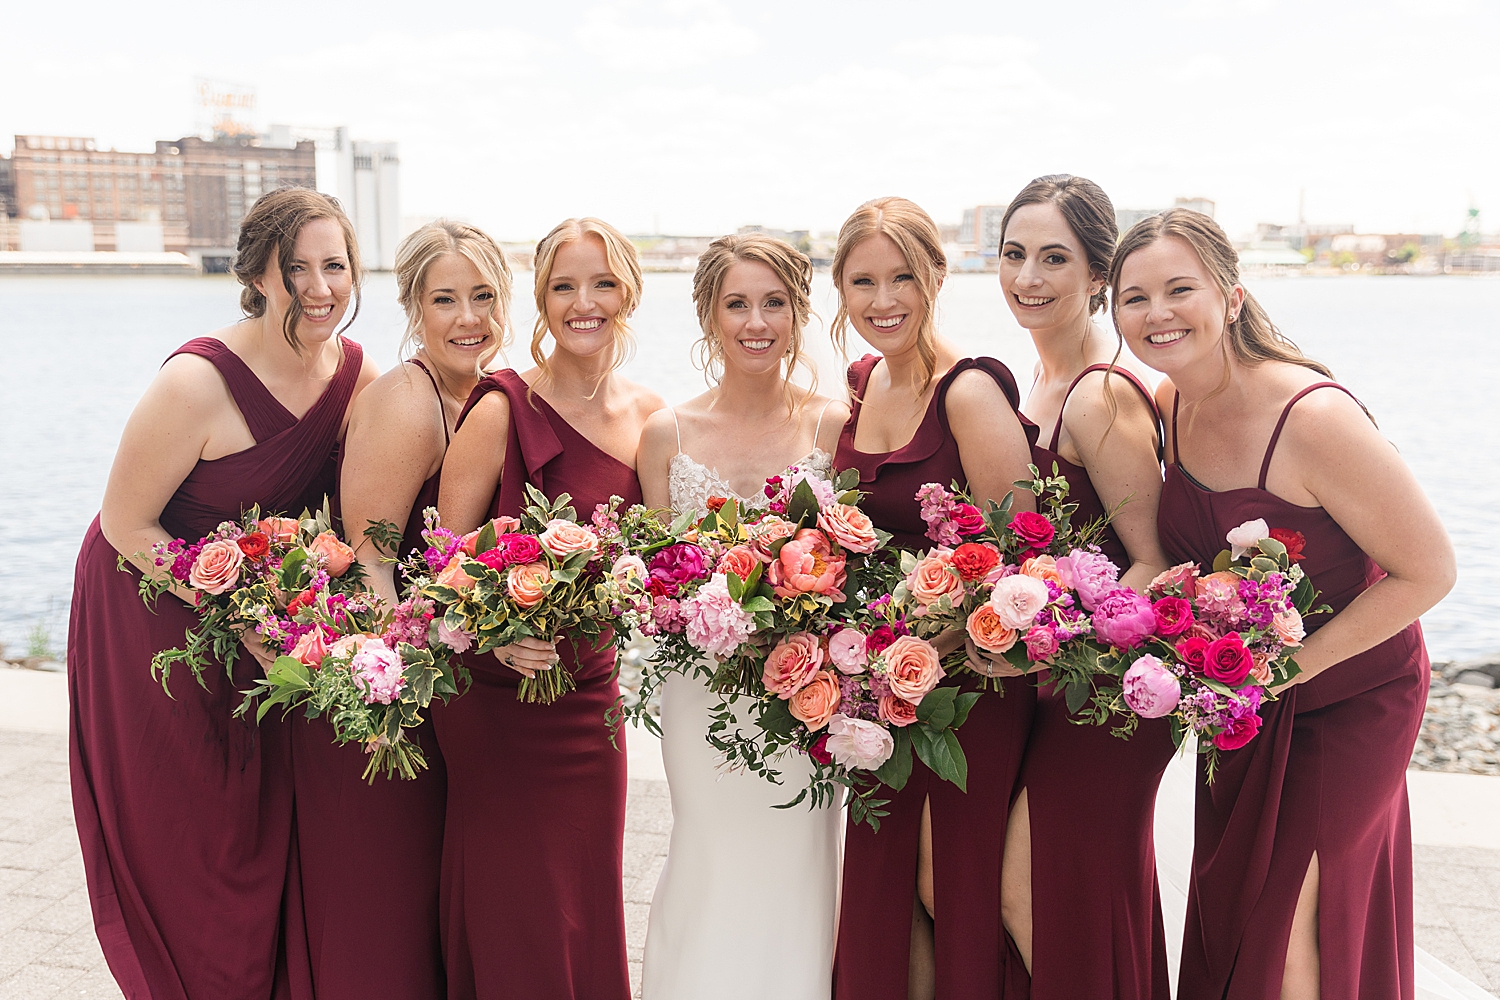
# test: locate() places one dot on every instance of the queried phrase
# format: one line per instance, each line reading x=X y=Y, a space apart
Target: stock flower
x=896 y=711
x=858 y=744
x=791 y=665
x=255 y=545
x=1183 y=575
x=1124 y=619
x=1034 y=529
x=816 y=702
x=846 y=648
x=988 y=631
x=335 y=556
x=1041 y=643
x=563 y=538
x=1219 y=597
x=974 y=560
x=379 y=667
x=524 y=583
x=217 y=567
x=280 y=529
x=806 y=564
x=1174 y=615
x=849 y=526
x=676 y=565
x=1017 y=599
x=912 y=668
x=1150 y=689
x=932 y=579
x=1089 y=573
x=1244 y=537
x=1227 y=660
x=1293 y=540
x=715 y=622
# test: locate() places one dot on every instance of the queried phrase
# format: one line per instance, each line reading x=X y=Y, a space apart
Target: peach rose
x=217 y=567
x=311 y=648
x=791 y=665
x=335 y=556
x=849 y=526
x=739 y=560
x=816 y=702
x=766 y=532
x=503 y=526
x=627 y=568
x=1288 y=627
x=989 y=632
x=281 y=529
x=524 y=583
x=1042 y=568
x=933 y=577
x=912 y=668
x=1184 y=575
x=453 y=574
x=1017 y=599
x=806 y=565
x=1260 y=668
x=564 y=538
x=896 y=711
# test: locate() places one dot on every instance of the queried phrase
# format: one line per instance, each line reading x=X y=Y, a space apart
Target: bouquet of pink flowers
x=1206 y=651
x=254 y=574
x=540 y=575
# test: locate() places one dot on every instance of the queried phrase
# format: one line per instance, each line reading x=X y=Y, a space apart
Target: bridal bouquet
x=1205 y=651
x=253 y=574
x=540 y=575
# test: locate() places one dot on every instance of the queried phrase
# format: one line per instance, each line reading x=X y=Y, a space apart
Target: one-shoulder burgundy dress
x=398 y=819
x=1325 y=775
x=185 y=813
x=1095 y=910
x=975 y=957
x=532 y=900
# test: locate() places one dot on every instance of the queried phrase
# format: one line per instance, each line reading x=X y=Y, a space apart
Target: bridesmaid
x=185 y=813
x=1302 y=881
x=532 y=901
x=1081 y=826
x=454 y=284
x=714 y=917
x=921 y=898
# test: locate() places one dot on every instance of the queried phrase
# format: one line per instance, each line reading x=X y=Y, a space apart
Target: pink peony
x=1150 y=689
x=791 y=665
x=1124 y=619
x=858 y=744
x=817 y=701
x=849 y=526
x=806 y=565
x=379 y=668
x=564 y=538
x=1244 y=537
x=217 y=567
x=675 y=565
x=912 y=668
x=1018 y=599
x=1089 y=573
x=1041 y=643
x=846 y=648
x=896 y=711
x=716 y=623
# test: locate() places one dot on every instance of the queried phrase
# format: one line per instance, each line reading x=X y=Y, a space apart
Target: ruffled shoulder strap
x=997 y=370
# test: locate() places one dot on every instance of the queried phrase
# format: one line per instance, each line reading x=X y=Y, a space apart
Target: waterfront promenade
x=48 y=948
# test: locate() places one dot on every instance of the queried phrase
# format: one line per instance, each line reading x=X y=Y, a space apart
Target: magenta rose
x=1033 y=529
x=1238 y=731
x=1173 y=616
x=1124 y=619
x=677 y=564
x=966 y=519
x=520 y=548
x=1227 y=660
x=1041 y=644
x=880 y=637
x=1193 y=650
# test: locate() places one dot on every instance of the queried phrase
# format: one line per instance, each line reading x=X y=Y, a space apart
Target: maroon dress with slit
x=975 y=957
x=395 y=875
x=185 y=813
x=1095 y=909
x=1325 y=775
x=532 y=900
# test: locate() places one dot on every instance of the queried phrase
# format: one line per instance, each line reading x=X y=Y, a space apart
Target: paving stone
x=1444 y=944
x=36 y=981
x=79 y=950
x=64 y=916
x=23 y=946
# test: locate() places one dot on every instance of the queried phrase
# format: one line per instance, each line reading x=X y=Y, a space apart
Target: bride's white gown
x=748 y=898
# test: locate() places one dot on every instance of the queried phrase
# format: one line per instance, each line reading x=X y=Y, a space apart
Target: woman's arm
x=471 y=468
x=991 y=443
x=1119 y=451
x=1340 y=457
x=653 y=459
x=394 y=442
x=834 y=418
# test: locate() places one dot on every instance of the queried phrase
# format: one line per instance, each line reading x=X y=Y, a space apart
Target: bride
x=747 y=899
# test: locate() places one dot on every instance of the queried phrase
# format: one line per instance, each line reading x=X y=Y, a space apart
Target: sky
x=699 y=116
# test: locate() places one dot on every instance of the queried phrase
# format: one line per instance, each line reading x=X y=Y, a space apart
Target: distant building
x=1203 y=206
x=979 y=227
x=1125 y=218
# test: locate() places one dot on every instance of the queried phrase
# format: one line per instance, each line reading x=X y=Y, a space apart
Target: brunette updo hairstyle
x=792 y=269
x=272 y=226
x=419 y=251
x=916 y=235
x=624 y=264
x=1088 y=212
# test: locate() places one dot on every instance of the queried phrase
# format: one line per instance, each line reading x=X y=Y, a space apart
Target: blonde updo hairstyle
x=624 y=264
x=916 y=235
x=423 y=248
x=271 y=227
x=792 y=269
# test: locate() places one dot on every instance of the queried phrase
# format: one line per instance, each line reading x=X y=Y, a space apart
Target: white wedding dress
x=747 y=902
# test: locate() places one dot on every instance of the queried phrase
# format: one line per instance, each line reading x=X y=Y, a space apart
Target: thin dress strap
x=1286 y=411
x=1141 y=388
x=1176 y=451
x=816 y=430
x=430 y=378
x=677 y=427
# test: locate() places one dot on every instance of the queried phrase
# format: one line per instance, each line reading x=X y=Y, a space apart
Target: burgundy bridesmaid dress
x=532 y=900
x=341 y=886
x=975 y=957
x=1326 y=774
x=185 y=813
x=1095 y=910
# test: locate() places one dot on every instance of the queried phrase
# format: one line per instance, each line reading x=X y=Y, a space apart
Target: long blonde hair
x=419 y=251
x=792 y=269
x=624 y=264
x=916 y=236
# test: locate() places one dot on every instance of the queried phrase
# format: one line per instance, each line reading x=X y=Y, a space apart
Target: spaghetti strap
x=677 y=427
x=816 y=430
x=1286 y=411
x=1129 y=375
x=439 y=392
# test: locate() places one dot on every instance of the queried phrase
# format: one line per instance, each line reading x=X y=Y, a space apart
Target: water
x=79 y=351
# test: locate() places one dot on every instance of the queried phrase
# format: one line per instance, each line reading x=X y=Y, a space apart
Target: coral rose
x=849 y=526
x=453 y=574
x=311 y=648
x=563 y=538
x=217 y=567
x=988 y=631
x=933 y=578
x=806 y=564
x=1017 y=600
x=817 y=701
x=896 y=711
x=335 y=556
x=767 y=532
x=1183 y=575
x=281 y=529
x=1042 y=568
x=791 y=665
x=975 y=560
x=858 y=743
x=846 y=648
x=912 y=668
x=524 y=583
x=738 y=560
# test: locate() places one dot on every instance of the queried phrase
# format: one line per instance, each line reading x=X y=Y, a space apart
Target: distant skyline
x=695 y=116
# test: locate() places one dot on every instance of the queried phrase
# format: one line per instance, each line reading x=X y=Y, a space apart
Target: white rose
x=856 y=743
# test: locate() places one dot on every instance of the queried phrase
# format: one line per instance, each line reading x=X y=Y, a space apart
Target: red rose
x=299 y=602
x=1293 y=540
x=966 y=519
x=716 y=504
x=1227 y=660
x=974 y=561
x=1239 y=732
x=1193 y=650
x=1173 y=616
x=255 y=545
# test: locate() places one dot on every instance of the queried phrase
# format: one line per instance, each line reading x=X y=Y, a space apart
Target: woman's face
x=1044 y=271
x=753 y=317
x=881 y=295
x=583 y=298
x=457 y=305
x=321 y=278
x=1171 y=313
